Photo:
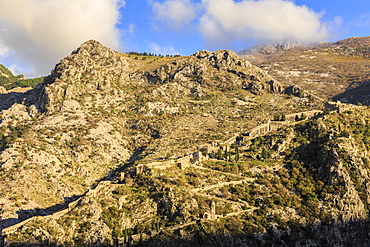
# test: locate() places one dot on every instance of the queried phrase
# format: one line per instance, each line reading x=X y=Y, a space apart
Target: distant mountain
x=262 y=53
x=5 y=71
x=9 y=81
x=325 y=70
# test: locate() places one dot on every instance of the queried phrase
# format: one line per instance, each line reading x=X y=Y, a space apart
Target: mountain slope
x=326 y=70
x=100 y=110
x=112 y=146
x=309 y=188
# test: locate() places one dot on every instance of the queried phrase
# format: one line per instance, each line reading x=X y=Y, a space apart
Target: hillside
x=204 y=150
x=9 y=81
x=338 y=70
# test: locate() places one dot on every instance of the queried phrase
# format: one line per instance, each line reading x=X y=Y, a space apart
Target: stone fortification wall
x=13 y=228
x=56 y=215
x=294 y=116
x=339 y=106
x=273 y=125
x=259 y=130
x=182 y=162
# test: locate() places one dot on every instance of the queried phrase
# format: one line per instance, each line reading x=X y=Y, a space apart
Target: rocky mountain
x=262 y=53
x=117 y=149
x=337 y=70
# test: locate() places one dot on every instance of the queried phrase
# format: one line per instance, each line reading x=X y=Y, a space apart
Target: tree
x=236 y=153
x=265 y=154
x=326 y=111
x=219 y=154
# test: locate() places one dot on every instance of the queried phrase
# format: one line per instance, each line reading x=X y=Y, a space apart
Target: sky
x=37 y=34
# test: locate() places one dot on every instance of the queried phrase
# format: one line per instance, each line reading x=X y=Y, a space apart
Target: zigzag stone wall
x=183 y=162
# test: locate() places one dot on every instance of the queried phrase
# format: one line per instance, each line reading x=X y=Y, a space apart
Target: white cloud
x=130 y=30
x=226 y=22
x=335 y=28
x=36 y=34
x=3 y=49
x=174 y=14
x=164 y=50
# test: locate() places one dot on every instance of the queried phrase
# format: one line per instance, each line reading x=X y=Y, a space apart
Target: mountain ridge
x=326 y=70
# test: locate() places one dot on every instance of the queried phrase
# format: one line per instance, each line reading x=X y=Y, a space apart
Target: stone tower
x=213 y=207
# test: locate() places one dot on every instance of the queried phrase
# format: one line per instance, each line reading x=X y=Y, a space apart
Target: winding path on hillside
x=209 y=187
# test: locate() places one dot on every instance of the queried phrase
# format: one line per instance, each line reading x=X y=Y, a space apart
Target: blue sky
x=36 y=34
x=343 y=19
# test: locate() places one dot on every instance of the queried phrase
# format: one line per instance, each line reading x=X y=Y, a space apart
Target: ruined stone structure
x=339 y=106
x=198 y=157
x=184 y=162
x=261 y=129
x=211 y=215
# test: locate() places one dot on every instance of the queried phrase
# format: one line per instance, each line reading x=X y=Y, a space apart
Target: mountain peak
x=222 y=58
x=92 y=47
x=90 y=67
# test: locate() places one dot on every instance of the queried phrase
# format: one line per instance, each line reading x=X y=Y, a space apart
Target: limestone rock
x=15 y=113
x=2 y=90
x=8 y=158
x=222 y=69
x=70 y=106
x=275 y=87
x=296 y=91
x=89 y=68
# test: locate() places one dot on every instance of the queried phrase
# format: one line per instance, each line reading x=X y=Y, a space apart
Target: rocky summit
x=116 y=149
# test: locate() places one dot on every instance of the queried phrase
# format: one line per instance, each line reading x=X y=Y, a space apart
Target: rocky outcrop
x=222 y=59
x=222 y=69
x=346 y=206
x=89 y=68
x=261 y=88
x=296 y=91
x=270 y=49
